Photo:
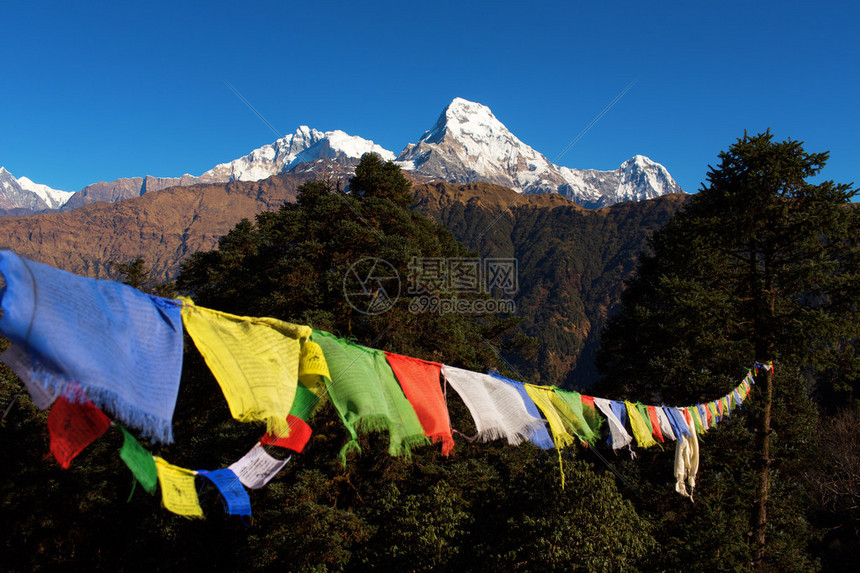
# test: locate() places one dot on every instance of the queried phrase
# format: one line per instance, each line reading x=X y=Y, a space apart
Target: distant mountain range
x=467 y=144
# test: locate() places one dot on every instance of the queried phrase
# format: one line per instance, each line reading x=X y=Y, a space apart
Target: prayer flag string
x=82 y=344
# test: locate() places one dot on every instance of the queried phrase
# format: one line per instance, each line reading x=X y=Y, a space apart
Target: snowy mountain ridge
x=305 y=145
x=23 y=193
x=466 y=144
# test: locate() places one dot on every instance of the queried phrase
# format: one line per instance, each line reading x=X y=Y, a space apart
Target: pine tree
x=134 y=274
x=762 y=265
x=377 y=178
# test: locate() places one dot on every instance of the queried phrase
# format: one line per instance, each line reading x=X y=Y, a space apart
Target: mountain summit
x=306 y=145
x=27 y=196
x=468 y=144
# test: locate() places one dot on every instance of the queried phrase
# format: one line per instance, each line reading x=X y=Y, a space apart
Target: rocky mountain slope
x=164 y=227
x=24 y=195
x=572 y=263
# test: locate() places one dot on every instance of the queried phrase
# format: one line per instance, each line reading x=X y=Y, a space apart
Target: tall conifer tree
x=762 y=265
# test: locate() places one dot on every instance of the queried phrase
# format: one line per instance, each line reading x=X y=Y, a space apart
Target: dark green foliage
x=136 y=274
x=382 y=179
x=761 y=265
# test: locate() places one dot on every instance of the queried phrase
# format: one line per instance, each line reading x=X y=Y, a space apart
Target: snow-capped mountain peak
x=468 y=143
x=640 y=174
x=463 y=118
x=25 y=194
x=305 y=145
x=53 y=197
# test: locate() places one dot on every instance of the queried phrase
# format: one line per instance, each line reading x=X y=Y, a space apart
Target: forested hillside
x=572 y=264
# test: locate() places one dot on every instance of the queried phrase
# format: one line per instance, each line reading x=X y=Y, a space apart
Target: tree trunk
x=763 y=316
x=764 y=472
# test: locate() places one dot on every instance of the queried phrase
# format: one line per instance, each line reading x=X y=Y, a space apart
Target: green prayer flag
x=643 y=412
x=367 y=396
x=697 y=419
x=139 y=461
x=578 y=423
x=304 y=403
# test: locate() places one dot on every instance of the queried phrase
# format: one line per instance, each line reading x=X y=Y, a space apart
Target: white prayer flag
x=256 y=468
x=19 y=361
x=497 y=408
x=620 y=436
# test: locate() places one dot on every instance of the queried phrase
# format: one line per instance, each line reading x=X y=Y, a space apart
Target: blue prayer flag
x=236 y=499
x=121 y=346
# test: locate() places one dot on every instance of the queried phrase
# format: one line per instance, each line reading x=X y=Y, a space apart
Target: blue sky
x=96 y=91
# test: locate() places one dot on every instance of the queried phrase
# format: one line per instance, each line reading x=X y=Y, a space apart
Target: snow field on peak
x=53 y=197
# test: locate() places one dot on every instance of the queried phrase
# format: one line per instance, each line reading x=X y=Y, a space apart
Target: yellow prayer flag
x=313 y=368
x=712 y=406
x=255 y=360
x=545 y=399
x=640 y=428
x=697 y=419
x=178 y=492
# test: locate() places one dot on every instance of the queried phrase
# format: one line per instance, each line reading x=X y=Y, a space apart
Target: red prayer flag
x=300 y=433
x=655 y=423
x=689 y=419
x=73 y=426
x=420 y=382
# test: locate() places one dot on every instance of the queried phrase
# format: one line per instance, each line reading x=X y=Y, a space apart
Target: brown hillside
x=440 y=195
x=164 y=226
